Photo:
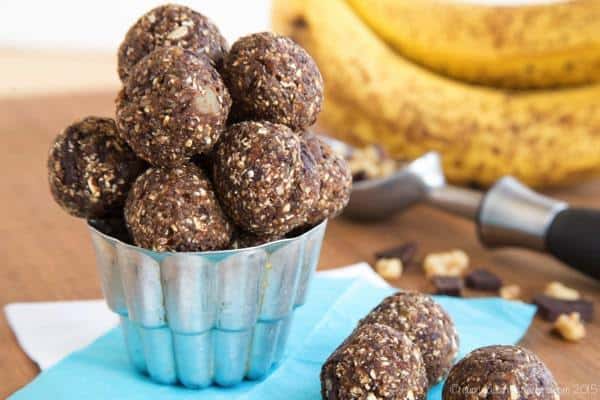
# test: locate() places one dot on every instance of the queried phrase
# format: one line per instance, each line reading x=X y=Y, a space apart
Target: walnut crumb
x=560 y=291
x=389 y=268
x=451 y=263
x=570 y=327
x=510 y=292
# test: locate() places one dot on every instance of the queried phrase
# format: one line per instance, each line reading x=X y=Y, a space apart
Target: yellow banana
x=372 y=94
x=529 y=46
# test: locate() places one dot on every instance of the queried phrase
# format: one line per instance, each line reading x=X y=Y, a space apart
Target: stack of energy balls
x=210 y=148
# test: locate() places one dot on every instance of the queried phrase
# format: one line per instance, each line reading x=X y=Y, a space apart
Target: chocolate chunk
x=359 y=176
x=90 y=169
x=170 y=25
x=374 y=362
x=426 y=323
x=448 y=285
x=173 y=106
x=266 y=180
x=176 y=210
x=482 y=279
x=272 y=78
x=500 y=373
x=405 y=252
x=549 y=308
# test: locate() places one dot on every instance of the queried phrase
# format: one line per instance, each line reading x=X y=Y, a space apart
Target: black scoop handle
x=574 y=238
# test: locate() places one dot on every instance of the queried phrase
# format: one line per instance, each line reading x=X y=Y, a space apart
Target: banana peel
x=374 y=95
x=544 y=45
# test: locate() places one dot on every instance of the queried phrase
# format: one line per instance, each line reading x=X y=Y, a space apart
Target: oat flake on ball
x=425 y=323
x=174 y=106
x=335 y=180
x=374 y=362
x=176 y=210
x=265 y=177
x=170 y=25
x=272 y=78
x=90 y=169
x=500 y=373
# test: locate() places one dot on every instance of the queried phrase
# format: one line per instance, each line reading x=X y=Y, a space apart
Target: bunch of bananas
x=497 y=90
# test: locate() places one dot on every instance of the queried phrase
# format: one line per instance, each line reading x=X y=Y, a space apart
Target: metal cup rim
x=216 y=253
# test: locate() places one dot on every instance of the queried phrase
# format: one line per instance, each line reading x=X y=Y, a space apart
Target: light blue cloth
x=102 y=371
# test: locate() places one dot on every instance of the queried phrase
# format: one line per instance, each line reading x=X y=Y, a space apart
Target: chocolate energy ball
x=176 y=210
x=426 y=324
x=499 y=373
x=242 y=239
x=170 y=25
x=265 y=177
x=174 y=105
x=90 y=169
x=272 y=78
x=375 y=362
x=335 y=177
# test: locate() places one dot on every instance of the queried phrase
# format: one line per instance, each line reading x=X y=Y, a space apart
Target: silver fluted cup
x=207 y=317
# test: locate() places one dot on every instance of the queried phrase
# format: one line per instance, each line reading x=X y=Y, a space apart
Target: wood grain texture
x=47 y=255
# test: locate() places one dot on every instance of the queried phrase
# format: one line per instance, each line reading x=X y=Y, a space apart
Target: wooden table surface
x=48 y=255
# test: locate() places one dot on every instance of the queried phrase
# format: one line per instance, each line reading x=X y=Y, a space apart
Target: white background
x=101 y=24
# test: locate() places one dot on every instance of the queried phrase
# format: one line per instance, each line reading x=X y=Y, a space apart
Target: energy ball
x=272 y=78
x=90 y=169
x=265 y=177
x=426 y=324
x=176 y=210
x=170 y=25
x=242 y=239
x=335 y=180
x=500 y=372
x=174 y=105
x=375 y=362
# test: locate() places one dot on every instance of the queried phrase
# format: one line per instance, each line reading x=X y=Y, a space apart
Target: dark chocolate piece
x=266 y=179
x=500 y=373
x=176 y=210
x=448 y=285
x=374 y=362
x=549 y=308
x=335 y=180
x=426 y=323
x=171 y=25
x=405 y=252
x=482 y=279
x=173 y=106
x=272 y=78
x=90 y=169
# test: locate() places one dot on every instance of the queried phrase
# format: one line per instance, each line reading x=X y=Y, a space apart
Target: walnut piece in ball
x=174 y=106
x=335 y=180
x=90 y=169
x=272 y=78
x=500 y=373
x=170 y=25
x=176 y=210
x=374 y=362
x=425 y=323
x=265 y=177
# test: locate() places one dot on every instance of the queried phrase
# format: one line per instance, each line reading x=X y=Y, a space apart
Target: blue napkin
x=480 y=322
x=102 y=371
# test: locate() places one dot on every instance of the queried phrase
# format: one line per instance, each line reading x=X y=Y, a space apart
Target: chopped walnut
x=570 y=327
x=451 y=263
x=510 y=292
x=389 y=268
x=371 y=162
x=560 y=291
